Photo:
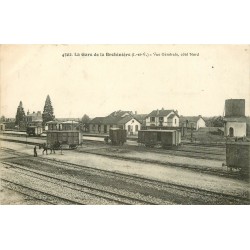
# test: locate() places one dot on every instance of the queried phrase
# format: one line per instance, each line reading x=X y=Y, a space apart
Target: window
x=129 y=128
x=152 y=119
x=161 y=119
x=175 y=121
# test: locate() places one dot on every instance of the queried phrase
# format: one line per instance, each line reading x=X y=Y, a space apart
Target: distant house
x=2 y=127
x=141 y=118
x=163 y=118
x=9 y=124
x=117 y=119
x=192 y=122
x=34 y=119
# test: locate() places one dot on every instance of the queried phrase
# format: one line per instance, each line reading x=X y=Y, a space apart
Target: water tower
x=235 y=119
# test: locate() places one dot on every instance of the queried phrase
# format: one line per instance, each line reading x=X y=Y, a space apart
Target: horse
x=53 y=147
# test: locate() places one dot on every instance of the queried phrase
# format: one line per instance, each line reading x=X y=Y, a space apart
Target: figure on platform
x=35 y=152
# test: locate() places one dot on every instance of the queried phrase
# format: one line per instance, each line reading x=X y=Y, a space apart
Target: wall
x=200 y=124
x=2 y=127
x=166 y=121
x=132 y=123
x=172 y=123
x=239 y=128
x=93 y=128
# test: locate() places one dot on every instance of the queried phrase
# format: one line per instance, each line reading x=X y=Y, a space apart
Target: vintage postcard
x=124 y=124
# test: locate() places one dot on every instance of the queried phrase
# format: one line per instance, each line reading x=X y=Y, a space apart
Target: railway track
x=196 y=195
x=194 y=190
x=111 y=197
x=201 y=169
x=35 y=194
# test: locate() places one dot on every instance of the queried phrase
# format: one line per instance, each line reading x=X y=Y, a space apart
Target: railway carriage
x=163 y=138
x=64 y=133
x=117 y=136
x=68 y=139
x=238 y=157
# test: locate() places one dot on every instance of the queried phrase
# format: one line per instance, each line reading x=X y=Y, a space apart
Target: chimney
x=157 y=111
x=176 y=111
x=162 y=108
x=135 y=112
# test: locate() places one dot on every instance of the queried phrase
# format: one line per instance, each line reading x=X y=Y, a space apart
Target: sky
x=99 y=85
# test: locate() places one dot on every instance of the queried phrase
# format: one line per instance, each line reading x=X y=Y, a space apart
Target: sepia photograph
x=124 y=124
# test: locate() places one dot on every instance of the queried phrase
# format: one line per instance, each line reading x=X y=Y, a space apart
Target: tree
x=48 y=111
x=2 y=119
x=85 y=122
x=218 y=122
x=85 y=119
x=20 y=115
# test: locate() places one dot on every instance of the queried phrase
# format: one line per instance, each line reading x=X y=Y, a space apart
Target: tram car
x=67 y=139
x=64 y=133
x=117 y=136
x=34 y=130
x=163 y=138
x=238 y=157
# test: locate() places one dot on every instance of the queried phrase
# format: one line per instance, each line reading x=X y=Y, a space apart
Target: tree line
x=47 y=115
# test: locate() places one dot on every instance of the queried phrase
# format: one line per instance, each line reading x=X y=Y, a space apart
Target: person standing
x=35 y=152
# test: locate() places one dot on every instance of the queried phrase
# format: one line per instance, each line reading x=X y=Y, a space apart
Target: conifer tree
x=48 y=111
x=20 y=114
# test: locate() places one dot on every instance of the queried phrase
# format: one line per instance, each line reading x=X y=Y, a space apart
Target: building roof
x=158 y=130
x=120 y=113
x=70 y=122
x=97 y=120
x=52 y=122
x=140 y=117
x=114 y=118
x=172 y=116
x=162 y=112
x=67 y=119
x=126 y=119
x=190 y=118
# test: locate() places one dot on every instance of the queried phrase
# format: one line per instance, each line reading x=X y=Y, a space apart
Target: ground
x=166 y=181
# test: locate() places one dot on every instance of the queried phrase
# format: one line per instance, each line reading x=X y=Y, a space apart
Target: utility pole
x=191 y=132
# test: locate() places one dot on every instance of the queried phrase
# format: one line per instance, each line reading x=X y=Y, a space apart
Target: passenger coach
x=66 y=133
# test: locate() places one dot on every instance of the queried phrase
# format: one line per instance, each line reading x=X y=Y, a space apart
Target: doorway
x=231 y=132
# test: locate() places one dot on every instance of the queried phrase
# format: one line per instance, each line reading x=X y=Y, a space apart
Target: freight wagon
x=68 y=139
x=117 y=136
x=238 y=156
x=163 y=138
